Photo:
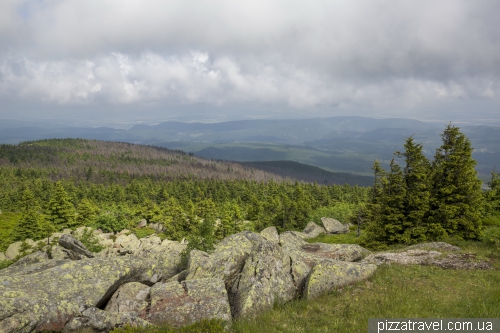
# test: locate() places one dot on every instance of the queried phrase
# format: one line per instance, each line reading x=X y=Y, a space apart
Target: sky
x=154 y=60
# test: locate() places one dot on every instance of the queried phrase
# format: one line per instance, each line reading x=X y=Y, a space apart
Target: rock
x=130 y=297
x=302 y=235
x=264 y=280
x=105 y=240
x=314 y=230
x=184 y=303
x=328 y=274
x=158 y=227
x=70 y=243
x=435 y=246
x=410 y=257
x=342 y=252
x=32 y=268
x=13 y=250
x=49 y=303
x=57 y=253
x=150 y=243
x=2 y=256
x=271 y=235
x=170 y=245
x=201 y=266
x=123 y=232
x=142 y=223
x=67 y=231
x=102 y=321
x=332 y=226
x=33 y=258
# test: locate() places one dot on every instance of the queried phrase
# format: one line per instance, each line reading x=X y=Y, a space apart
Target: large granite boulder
x=328 y=275
x=103 y=321
x=2 y=256
x=44 y=302
x=332 y=226
x=314 y=230
x=14 y=249
x=187 y=302
x=264 y=280
x=130 y=297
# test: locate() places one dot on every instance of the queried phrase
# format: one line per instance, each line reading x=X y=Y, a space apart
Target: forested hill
x=117 y=162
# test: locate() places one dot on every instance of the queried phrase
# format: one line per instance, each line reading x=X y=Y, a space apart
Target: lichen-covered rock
x=103 y=321
x=170 y=245
x=332 y=226
x=14 y=249
x=187 y=302
x=314 y=230
x=44 y=302
x=32 y=258
x=435 y=246
x=303 y=255
x=151 y=243
x=409 y=257
x=264 y=280
x=158 y=227
x=130 y=297
x=79 y=232
x=70 y=243
x=271 y=234
x=202 y=266
x=328 y=274
x=2 y=256
x=57 y=253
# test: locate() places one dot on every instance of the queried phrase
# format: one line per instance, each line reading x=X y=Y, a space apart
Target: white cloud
x=348 y=54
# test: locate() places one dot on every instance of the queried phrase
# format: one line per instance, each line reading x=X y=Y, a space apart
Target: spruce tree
x=30 y=224
x=493 y=195
x=416 y=200
x=456 y=196
x=60 y=211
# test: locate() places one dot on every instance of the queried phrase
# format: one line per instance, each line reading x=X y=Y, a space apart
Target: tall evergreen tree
x=416 y=200
x=60 y=210
x=493 y=195
x=30 y=224
x=456 y=196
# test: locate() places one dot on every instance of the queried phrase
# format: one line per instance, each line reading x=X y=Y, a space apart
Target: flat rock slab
x=184 y=303
x=410 y=257
x=103 y=321
x=328 y=275
x=435 y=246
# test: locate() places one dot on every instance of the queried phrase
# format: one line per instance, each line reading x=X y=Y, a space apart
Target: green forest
x=54 y=184
x=50 y=185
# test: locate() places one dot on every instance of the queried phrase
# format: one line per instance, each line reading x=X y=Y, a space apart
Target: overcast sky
x=426 y=59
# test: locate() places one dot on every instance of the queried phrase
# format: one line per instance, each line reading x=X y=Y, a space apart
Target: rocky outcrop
x=44 y=302
x=332 y=226
x=314 y=230
x=139 y=281
x=328 y=275
x=2 y=256
x=187 y=302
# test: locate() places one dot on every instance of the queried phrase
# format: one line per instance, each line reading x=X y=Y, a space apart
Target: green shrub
x=90 y=241
x=110 y=223
x=344 y=212
x=5 y=263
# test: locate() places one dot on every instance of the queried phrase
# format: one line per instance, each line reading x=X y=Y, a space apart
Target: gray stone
x=70 y=243
x=33 y=258
x=264 y=280
x=329 y=274
x=271 y=234
x=49 y=303
x=314 y=230
x=130 y=297
x=2 y=256
x=332 y=226
x=187 y=302
x=103 y=321
x=435 y=246
x=142 y=223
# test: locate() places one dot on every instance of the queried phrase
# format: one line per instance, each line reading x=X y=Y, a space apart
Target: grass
x=392 y=292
